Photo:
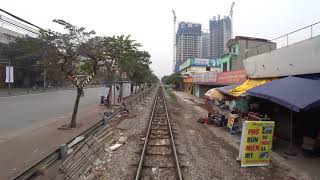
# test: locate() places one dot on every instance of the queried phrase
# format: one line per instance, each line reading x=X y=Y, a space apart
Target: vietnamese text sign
x=256 y=142
x=230 y=122
x=230 y=77
x=9 y=74
x=207 y=77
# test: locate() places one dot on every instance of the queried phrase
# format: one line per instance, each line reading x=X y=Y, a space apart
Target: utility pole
x=9 y=85
x=44 y=77
x=231 y=18
x=174 y=39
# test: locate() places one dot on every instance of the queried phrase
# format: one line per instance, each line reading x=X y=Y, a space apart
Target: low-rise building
x=240 y=48
x=196 y=69
x=196 y=65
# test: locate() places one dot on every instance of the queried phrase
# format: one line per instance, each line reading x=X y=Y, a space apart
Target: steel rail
x=138 y=174
x=55 y=155
x=172 y=140
x=146 y=141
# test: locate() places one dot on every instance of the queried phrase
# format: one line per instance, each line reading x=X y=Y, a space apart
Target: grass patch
x=171 y=94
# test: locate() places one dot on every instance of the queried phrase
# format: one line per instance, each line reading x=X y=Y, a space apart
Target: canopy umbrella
x=214 y=94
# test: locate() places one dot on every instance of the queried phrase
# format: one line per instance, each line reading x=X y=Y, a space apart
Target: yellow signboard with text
x=230 y=121
x=256 y=142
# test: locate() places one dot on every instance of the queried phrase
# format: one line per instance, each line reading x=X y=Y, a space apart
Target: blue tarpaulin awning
x=291 y=92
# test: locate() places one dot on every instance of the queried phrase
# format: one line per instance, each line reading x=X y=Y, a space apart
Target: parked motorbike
x=104 y=100
x=217 y=119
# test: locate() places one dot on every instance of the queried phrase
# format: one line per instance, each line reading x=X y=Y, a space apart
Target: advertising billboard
x=256 y=143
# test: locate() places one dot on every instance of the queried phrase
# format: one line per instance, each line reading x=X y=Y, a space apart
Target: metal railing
x=33 y=171
x=298 y=35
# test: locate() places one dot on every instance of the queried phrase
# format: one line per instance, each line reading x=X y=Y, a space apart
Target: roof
x=251 y=38
x=291 y=92
x=237 y=38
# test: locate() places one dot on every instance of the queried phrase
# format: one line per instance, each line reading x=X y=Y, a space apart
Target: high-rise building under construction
x=188 y=41
x=220 y=34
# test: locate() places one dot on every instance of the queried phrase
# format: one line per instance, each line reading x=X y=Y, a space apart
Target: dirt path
x=203 y=155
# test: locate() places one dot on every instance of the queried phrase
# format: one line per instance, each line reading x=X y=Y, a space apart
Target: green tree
x=68 y=50
x=77 y=51
x=174 y=79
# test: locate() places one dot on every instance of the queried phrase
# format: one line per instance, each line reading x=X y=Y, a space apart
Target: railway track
x=159 y=158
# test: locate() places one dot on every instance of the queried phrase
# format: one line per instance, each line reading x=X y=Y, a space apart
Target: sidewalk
x=294 y=167
x=26 y=149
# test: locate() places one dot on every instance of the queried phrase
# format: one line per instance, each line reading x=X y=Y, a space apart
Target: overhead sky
x=150 y=22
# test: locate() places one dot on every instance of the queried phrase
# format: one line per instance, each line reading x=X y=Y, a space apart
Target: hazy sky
x=150 y=22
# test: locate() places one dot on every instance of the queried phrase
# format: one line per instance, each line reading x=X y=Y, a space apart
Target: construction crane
x=174 y=39
x=231 y=18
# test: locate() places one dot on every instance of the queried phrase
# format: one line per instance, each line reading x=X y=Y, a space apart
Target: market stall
x=297 y=95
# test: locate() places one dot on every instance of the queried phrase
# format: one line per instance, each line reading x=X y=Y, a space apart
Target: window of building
x=208 y=68
x=234 y=49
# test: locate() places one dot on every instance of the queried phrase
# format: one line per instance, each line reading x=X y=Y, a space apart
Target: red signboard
x=232 y=77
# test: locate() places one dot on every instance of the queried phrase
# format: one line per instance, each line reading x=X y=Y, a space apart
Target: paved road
x=19 y=112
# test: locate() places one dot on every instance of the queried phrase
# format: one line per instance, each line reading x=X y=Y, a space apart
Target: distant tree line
x=174 y=80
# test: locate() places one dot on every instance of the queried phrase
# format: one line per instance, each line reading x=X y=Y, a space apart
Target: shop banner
x=232 y=77
x=184 y=65
x=207 y=77
x=256 y=142
x=200 y=62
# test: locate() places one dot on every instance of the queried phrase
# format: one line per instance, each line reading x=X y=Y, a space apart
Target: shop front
x=187 y=85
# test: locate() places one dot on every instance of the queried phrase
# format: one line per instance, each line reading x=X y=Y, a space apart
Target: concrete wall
x=250 y=45
x=299 y=58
